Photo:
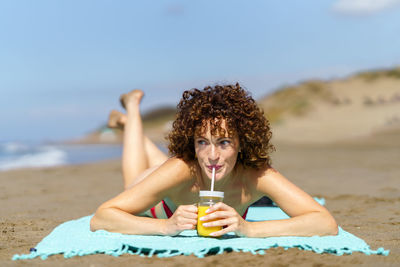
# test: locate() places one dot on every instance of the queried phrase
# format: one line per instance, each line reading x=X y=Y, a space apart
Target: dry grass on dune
x=325 y=112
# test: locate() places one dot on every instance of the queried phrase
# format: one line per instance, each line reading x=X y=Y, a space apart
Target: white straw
x=212 y=179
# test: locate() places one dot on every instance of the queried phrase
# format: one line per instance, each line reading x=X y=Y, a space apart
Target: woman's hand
x=184 y=218
x=225 y=216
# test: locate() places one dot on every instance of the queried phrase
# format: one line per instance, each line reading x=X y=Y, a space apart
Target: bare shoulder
x=178 y=162
x=179 y=167
x=289 y=197
x=261 y=176
x=175 y=170
x=268 y=178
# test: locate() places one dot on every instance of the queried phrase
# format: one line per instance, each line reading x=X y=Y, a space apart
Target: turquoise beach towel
x=74 y=238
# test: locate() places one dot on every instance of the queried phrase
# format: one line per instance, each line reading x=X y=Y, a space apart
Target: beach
x=359 y=180
x=325 y=75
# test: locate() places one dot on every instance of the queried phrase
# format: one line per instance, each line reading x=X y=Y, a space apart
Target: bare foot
x=116 y=119
x=133 y=97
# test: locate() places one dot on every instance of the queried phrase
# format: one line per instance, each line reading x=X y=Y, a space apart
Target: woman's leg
x=139 y=153
x=155 y=156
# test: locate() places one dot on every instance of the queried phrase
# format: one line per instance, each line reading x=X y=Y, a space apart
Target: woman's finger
x=223 y=231
x=188 y=227
x=190 y=215
x=219 y=206
x=183 y=220
x=229 y=221
x=189 y=208
x=187 y=211
x=216 y=215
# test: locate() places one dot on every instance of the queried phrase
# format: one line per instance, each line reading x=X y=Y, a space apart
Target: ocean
x=16 y=155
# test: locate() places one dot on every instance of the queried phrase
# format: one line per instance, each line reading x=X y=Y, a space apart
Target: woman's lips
x=217 y=167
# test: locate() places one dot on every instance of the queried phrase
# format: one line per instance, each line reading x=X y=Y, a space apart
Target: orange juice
x=201 y=230
x=207 y=199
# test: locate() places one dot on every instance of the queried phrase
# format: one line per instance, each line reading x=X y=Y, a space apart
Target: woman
x=218 y=127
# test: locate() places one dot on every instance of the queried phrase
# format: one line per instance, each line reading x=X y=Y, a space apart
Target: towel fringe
x=200 y=253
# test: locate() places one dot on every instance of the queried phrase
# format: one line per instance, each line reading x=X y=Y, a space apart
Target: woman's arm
x=308 y=218
x=119 y=213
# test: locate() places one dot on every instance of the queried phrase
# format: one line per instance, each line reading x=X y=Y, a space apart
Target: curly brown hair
x=213 y=105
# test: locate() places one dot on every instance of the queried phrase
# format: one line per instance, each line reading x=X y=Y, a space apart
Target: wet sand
x=359 y=180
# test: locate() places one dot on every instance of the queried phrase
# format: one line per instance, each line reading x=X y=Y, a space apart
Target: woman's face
x=214 y=151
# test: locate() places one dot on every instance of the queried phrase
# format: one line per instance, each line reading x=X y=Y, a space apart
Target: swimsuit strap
x=153 y=212
x=245 y=213
x=167 y=209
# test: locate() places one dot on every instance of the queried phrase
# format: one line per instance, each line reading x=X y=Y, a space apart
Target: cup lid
x=211 y=194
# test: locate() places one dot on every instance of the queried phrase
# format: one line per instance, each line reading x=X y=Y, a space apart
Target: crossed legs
x=139 y=153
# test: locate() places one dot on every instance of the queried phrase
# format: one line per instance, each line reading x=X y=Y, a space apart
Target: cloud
x=363 y=7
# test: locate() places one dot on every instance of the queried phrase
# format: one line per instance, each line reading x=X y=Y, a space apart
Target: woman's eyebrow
x=218 y=138
x=224 y=137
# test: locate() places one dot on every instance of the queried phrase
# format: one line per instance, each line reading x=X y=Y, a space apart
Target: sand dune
x=325 y=112
x=360 y=106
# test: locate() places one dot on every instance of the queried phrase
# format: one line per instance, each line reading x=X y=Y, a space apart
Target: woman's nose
x=214 y=153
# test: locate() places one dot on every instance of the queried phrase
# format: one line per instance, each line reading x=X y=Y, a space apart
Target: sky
x=64 y=64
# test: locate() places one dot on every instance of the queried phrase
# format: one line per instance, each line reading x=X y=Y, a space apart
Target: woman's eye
x=225 y=142
x=201 y=142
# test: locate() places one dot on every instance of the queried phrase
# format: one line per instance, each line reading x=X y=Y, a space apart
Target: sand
x=344 y=109
x=360 y=181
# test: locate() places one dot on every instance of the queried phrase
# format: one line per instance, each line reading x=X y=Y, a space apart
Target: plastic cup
x=207 y=199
